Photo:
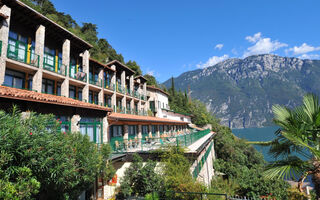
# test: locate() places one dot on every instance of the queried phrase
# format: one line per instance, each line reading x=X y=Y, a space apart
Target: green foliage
x=39 y=161
x=151 y=80
x=180 y=102
x=243 y=167
x=140 y=179
x=176 y=173
x=135 y=67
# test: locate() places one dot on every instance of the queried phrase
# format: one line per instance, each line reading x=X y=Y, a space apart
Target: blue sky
x=169 y=37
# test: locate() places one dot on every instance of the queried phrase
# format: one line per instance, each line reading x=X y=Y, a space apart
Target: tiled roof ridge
x=16 y=93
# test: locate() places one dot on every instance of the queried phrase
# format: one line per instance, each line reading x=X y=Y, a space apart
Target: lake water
x=258 y=134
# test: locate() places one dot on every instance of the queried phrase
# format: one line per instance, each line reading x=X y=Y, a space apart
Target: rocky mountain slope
x=242 y=91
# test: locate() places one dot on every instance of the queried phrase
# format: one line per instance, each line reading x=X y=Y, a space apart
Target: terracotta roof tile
x=138 y=118
x=20 y=94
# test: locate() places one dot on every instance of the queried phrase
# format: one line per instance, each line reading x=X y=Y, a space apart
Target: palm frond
x=311 y=106
x=290 y=168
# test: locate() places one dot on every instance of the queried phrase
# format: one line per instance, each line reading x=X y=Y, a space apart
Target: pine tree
x=173 y=90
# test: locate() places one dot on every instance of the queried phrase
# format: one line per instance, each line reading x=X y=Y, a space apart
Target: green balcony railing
x=81 y=76
x=146 y=143
x=22 y=54
x=0 y=47
x=50 y=65
x=97 y=82
x=202 y=161
x=120 y=89
x=136 y=94
x=108 y=85
x=129 y=92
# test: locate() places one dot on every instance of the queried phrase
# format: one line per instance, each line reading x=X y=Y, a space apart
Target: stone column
x=124 y=103
x=123 y=78
x=125 y=135
x=66 y=63
x=139 y=105
x=4 y=35
x=131 y=83
x=85 y=67
x=105 y=128
x=158 y=131
x=139 y=134
x=113 y=82
x=39 y=50
x=75 y=126
x=100 y=94
x=145 y=90
x=132 y=104
x=150 y=130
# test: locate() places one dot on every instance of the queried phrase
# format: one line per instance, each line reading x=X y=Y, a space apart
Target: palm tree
x=297 y=143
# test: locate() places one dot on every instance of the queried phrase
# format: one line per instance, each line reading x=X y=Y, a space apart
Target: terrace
x=150 y=142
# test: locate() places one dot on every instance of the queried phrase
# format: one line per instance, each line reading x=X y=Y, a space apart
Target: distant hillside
x=242 y=91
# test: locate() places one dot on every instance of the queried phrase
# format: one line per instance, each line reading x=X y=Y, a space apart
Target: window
x=59 y=89
x=154 y=129
x=132 y=129
x=107 y=100
x=136 y=107
x=161 y=128
x=80 y=94
x=49 y=58
x=116 y=131
x=107 y=79
x=92 y=128
x=47 y=86
x=72 y=92
x=14 y=79
x=145 y=129
x=128 y=106
x=93 y=97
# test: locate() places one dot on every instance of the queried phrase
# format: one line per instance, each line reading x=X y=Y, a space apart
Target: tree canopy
x=39 y=161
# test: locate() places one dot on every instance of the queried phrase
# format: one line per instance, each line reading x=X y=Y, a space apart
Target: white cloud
x=234 y=51
x=150 y=72
x=218 y=46
x=309 y=56
x=212 y=61
x=303 y=49
x=254 y=38
x=262 y=45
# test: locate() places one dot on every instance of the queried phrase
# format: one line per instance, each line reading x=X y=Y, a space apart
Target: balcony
x=81 y=76
x=148 y=143
x=143 y=97
x=120 y=88
x=142 y=112
x=97 y=82
x=136 y=94
x=119 y=109
x=129 y=92
x=21 y=54
x=50 y=64
x=109 y=85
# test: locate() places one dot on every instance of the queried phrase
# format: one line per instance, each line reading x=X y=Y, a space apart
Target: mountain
x=241 y=92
